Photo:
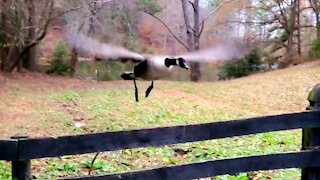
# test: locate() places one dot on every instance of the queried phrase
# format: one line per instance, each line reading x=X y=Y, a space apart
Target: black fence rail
x=220 y=167
x=8 y=150
x=21 y=150
x=111 y=141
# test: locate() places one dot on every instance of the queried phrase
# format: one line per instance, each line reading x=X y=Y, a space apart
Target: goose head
x=182 y=63
x=176 y=62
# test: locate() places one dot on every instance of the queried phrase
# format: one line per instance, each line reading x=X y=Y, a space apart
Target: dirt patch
x=17 y=92
x=78 y=117
x=13 y=110
x=40 y=82
x=3 y=78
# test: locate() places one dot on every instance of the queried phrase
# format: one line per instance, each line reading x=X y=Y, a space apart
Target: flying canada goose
x=153 y=68
x=148 y=67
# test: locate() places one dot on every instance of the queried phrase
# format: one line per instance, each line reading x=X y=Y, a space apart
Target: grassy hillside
x=38 y=105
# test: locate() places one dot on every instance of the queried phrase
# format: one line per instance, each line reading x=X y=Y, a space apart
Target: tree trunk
x=7 y=51
x=315 y=6
x=13 y=48
x=298 y=27
x=10 y=56
x=318 y=24
x=91 y=20
x=193 y=38
x=195 y=66
x=3 y=39
x=73 y=62
x=29 y=59
x=290 y=25
x=187 y=24
x=290 y=49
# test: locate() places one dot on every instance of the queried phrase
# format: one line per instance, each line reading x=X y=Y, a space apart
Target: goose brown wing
x=101 y=50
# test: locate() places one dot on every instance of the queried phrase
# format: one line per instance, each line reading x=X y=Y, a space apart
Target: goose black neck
x=170 y=62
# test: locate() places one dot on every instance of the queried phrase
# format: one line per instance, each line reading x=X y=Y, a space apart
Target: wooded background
x=280 y=32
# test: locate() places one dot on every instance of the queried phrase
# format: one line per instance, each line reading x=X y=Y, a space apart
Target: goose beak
x=185 y=66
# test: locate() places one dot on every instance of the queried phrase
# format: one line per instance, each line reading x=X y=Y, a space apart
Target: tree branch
x=273 y=28
x=283 y=15
x=93 y=10
x=192 y=4
x=64 y=12
x=45 y=9
x=192 y=29
x=306 y=26
x=286 y=2
x=269 y=9
x=250 y=22
x=214 y=11
x=305 y=8
x=201 y=30
x=312 y=5
x=167 y=27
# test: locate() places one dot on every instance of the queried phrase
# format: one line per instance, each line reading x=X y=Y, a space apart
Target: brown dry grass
x=275 y=92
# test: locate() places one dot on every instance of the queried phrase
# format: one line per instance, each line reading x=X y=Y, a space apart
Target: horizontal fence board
x=219 y=167
x=111 y=141
x=8 y=150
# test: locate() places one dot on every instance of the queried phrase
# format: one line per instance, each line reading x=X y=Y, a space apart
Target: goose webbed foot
x=135 y=90
x=149 y=89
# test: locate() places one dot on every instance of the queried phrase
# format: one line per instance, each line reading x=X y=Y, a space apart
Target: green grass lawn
x=52 y=106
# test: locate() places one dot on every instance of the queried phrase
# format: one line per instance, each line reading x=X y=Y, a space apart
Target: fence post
x=21 y=169
x=311 y=137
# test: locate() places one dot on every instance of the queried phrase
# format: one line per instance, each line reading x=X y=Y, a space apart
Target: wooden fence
x=21 y=150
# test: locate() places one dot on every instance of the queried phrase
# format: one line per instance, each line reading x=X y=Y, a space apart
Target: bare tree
x=24 y=25
x=24 y=43
x=281 y=18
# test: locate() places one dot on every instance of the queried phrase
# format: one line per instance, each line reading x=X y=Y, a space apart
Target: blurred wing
x=219 y=53
x=101 y=50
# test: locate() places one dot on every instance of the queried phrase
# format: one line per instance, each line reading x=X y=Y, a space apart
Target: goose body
x=153 y=68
